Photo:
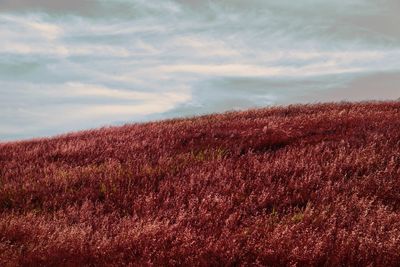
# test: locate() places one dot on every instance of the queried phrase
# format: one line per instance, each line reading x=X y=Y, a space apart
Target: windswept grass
x=307 y=185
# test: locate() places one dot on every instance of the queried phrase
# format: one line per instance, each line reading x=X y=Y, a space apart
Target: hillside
x=306 y=185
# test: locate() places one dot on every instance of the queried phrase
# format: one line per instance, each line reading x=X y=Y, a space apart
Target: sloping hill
x=307 y=185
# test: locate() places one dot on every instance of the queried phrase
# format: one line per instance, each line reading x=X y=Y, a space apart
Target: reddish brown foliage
x=305 y=185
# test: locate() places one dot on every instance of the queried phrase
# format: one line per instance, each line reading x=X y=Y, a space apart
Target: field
x=299 y=185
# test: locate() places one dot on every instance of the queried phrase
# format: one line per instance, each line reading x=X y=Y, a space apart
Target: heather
x=314 y=185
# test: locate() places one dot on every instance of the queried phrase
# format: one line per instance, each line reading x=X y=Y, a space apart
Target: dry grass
x=306 y=185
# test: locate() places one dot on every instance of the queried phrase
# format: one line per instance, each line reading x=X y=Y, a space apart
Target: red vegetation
x=306 y=185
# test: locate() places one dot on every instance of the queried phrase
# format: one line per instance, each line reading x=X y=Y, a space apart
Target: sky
x=80 y=64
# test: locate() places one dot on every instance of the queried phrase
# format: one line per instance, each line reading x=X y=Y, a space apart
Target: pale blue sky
x=71 y=65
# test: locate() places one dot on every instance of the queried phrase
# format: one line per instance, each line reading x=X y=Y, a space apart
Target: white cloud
x=318 y=63
x=32 y=25
x=50 y=31
x=153 y=56
x=82 y=105
x=79 y=89
x=204 y=46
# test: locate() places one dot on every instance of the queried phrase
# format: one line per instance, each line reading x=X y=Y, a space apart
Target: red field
x=307 y=185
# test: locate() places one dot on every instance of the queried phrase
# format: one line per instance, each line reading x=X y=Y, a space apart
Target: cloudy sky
x=67 y=65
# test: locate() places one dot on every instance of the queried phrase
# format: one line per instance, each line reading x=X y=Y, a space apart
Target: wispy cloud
x=68 y=65
x=55 y=108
